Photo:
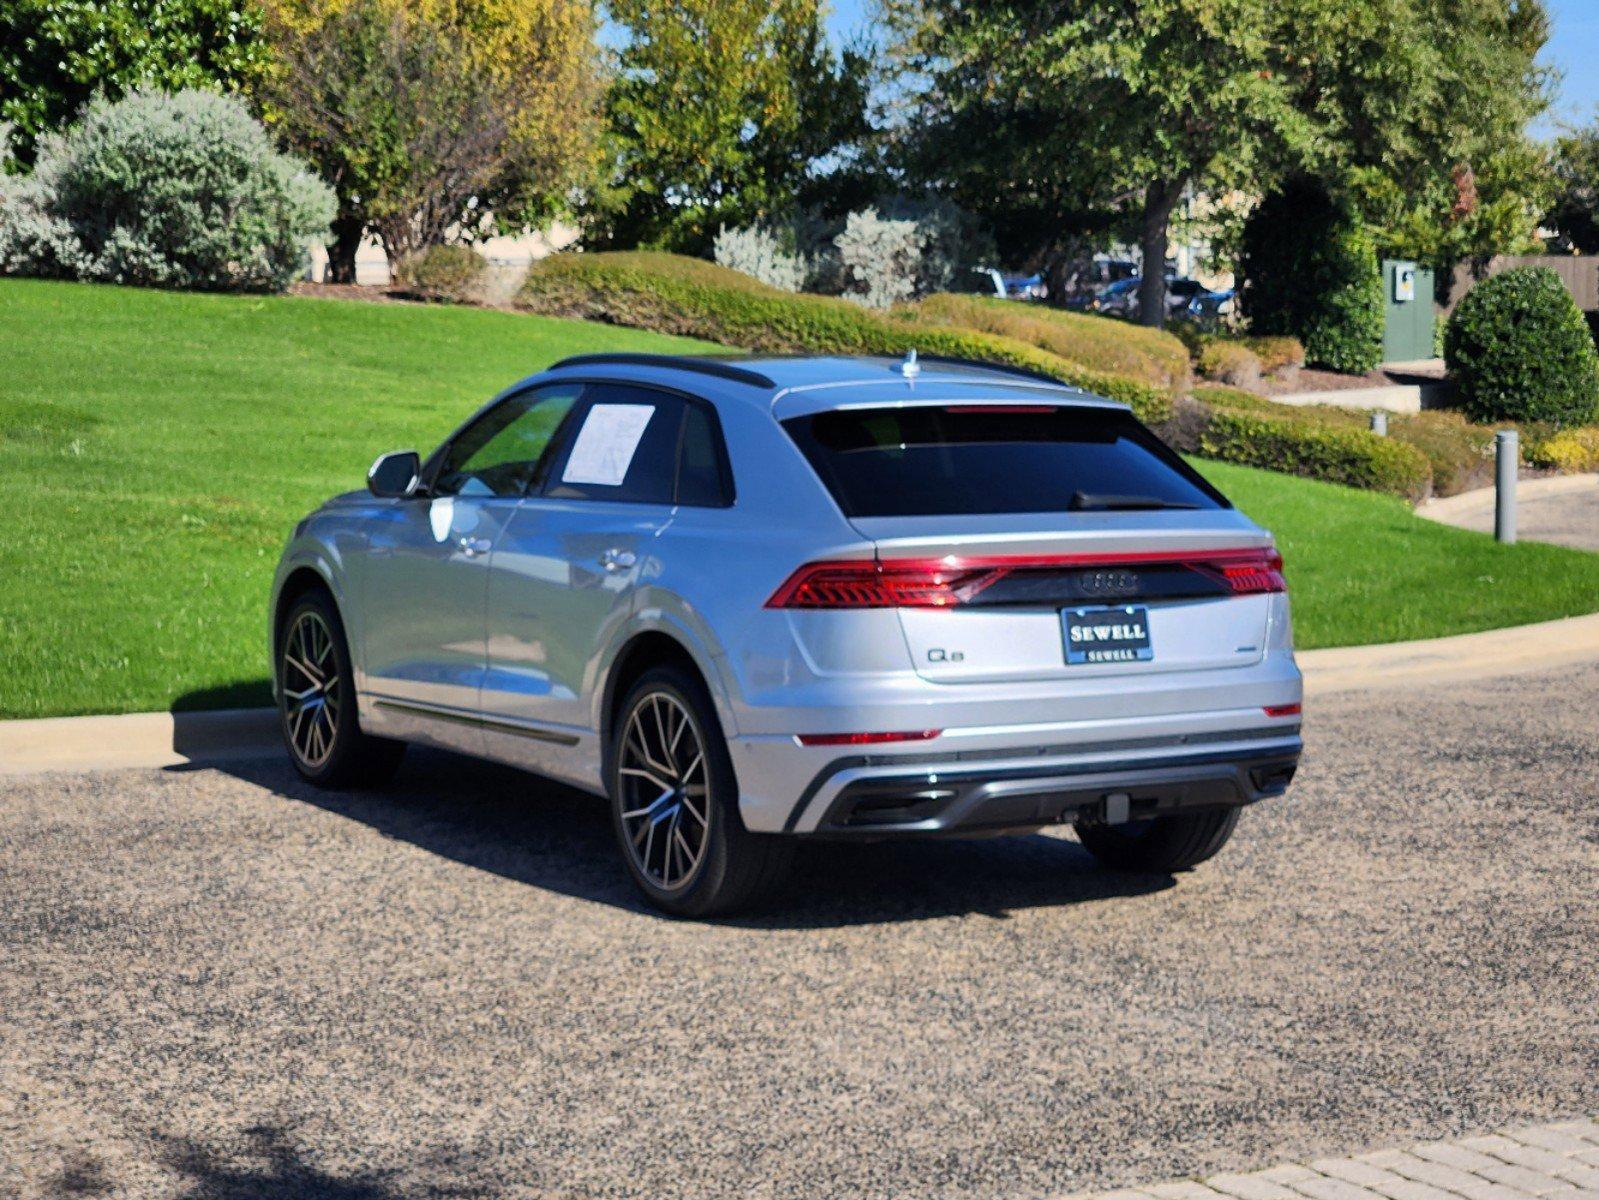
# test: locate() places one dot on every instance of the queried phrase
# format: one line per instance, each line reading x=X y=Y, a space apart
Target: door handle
x=473 y=546
x=616 y=559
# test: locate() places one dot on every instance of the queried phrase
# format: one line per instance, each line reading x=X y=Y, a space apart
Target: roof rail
x=702 y=366
x=1002 y=368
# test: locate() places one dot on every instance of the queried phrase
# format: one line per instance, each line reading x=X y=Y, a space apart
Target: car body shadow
x=528 y=829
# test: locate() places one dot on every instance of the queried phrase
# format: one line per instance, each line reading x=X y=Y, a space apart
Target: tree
x=1074 y=110
x=1575 y=211
x=56 y=55
x=1424 y=106
x=1310 y=271
x=1064 y=117
x=435 y=120
x=719 y=114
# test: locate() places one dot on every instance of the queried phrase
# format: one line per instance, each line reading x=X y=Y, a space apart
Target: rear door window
x=620 y=445
x=939 y=461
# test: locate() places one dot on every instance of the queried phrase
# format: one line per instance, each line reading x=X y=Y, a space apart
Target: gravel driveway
x=223 y=984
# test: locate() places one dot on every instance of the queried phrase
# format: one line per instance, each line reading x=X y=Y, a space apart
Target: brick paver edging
x=1546 y=1162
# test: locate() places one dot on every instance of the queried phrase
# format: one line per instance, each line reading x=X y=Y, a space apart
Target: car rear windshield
x=938 y=461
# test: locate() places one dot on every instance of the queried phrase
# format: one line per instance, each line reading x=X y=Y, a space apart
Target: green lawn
x=1364 y=568
x=158 y=447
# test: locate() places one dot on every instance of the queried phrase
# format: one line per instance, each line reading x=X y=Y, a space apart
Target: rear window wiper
x=1110 y=502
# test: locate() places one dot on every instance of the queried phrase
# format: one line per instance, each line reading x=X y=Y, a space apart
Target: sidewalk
x=1563 y=510
x=1546 y=1162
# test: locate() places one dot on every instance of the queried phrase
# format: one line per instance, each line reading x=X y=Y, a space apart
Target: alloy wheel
x=664 y=791
x=311 y=689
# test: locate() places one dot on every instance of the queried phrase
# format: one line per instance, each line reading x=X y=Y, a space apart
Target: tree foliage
x=719 y=113
x=1310 y=271
x=56 y=55
x=1575 y=210
x=1057 y=117
x=437 y=120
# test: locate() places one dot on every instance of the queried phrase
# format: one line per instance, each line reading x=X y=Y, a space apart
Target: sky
x=1573 y=50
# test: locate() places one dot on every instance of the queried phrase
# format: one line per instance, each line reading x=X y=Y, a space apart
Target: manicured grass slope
x=1364 y=568
x=158 y=449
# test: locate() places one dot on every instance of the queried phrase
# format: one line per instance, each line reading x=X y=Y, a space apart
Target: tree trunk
x=1159 y=199
x=341 y=250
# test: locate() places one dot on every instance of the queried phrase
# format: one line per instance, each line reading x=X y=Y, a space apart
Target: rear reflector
x=951 y=581
x=1283 y=710
x=866 y=739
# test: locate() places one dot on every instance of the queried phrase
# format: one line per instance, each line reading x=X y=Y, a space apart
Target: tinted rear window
x=901 y=462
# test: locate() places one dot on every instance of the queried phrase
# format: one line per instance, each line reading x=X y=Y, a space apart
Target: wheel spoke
x=311 y=712
x=641 y=773
x=655 y=790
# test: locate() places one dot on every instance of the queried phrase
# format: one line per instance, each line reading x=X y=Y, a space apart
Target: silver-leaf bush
x=162 y=190
x=759 y=252
x=881 y=258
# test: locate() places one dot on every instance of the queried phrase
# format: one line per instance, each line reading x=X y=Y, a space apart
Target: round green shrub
x=1519 y=350
x=1310 y=271
x=161 y=190
x=442 y=272
x=1231 y=363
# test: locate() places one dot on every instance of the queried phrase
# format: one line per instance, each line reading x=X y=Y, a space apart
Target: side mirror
x=395 y=475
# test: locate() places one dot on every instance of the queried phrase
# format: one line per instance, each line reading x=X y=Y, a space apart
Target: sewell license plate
x=1107 y=635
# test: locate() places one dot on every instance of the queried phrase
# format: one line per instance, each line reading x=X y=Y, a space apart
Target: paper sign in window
x=606 y=444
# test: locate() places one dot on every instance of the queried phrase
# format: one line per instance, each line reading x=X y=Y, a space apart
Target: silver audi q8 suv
x=754 y=600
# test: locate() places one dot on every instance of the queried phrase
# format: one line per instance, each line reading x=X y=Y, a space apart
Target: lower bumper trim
x=940 y=802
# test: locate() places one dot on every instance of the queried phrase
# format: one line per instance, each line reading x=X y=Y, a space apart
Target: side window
x=701 y=473
x=622 y=447
x=499 y=453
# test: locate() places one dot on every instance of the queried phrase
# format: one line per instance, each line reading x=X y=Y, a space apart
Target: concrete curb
x=1467 y=656
x=1452 y=510
x=172 y=739
x=136 y=740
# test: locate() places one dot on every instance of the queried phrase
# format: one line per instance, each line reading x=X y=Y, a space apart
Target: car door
x=565 y=572
x=427 y=568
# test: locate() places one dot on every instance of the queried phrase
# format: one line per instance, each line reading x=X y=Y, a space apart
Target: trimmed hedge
x=442 y=273
x=1519 y=350
x=1459 y=452
x=1098 y=343
x=1276 y=353
x=670 y=293
x=1231 y=363
x=1316 y=450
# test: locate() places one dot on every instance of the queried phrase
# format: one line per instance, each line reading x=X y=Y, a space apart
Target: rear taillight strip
x=867 y=739
x=952 y=581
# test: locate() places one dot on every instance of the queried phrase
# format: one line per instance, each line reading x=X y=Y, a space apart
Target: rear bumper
x=896 y=802
x=978 y=779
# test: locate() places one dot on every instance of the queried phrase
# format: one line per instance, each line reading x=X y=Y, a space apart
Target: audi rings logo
x=1108 y=584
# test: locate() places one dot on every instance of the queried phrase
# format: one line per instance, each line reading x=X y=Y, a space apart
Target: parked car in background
x=1015 y=287
x=751 y=601
x=1207 y=306
x=1184 y=297
x=1119 y=299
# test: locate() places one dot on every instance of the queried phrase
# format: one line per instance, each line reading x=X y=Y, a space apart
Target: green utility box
x=1408 y=307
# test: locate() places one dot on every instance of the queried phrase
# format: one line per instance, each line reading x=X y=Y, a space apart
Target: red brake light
x=1283 y=710
x=989 y=409
x=866 y=739
x=869 y=584
x=947 y=582
x=1261 y=571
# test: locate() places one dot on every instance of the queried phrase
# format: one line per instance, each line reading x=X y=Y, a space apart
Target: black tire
x=338 y=755
x=1164 y=844
x=735 y=868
